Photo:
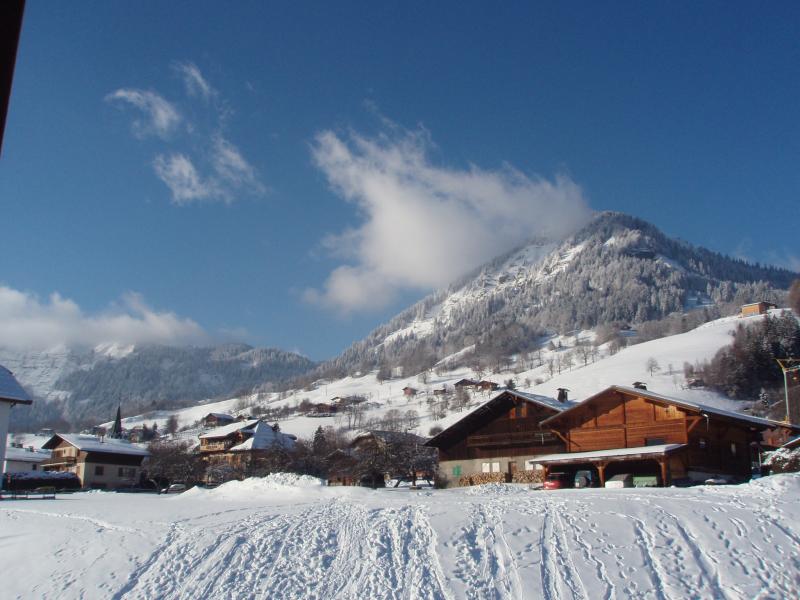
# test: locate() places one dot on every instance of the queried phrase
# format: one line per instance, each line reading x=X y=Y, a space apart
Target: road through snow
x=496 y=541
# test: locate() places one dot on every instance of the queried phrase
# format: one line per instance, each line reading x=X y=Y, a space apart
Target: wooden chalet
x=409 y=391
x=465 y=383
x=100 y=463
x=487 y=386
x=629 y=430
x=217 y=420
x=756 y=308
x=498 y=437
x=232 y=447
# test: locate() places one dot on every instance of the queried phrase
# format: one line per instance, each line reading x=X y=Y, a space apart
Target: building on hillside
x=487 y=386
x=11 y=394
x=409 y=391
x=465 y=383
x=20 y=459
x=99 y=463
x=231 y=448
x=756 y=308
x=217 y=420
x=341 y=468
x=498 y=438
x=629 y=430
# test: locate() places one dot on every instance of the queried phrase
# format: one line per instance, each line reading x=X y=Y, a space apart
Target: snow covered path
x=487 y=542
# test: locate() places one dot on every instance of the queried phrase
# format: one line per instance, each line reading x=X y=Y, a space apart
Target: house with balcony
x=498 y=438
x=99 y=462
x=231 y=448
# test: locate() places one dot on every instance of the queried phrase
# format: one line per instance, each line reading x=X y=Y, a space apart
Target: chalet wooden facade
x=756 y=308
x=630 y=430
x=99 y=463
x=217 y=420
x=498 y=437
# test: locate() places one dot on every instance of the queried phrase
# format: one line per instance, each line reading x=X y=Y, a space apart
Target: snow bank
x=258 y=487
x=782 y=483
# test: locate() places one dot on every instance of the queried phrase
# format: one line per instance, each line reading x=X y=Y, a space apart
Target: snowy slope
x=622 y=368
x=278 y=540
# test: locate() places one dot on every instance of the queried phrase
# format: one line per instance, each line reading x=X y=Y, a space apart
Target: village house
x=409 y=391
x=661 y=439
x=234 y=446
x=11 y=393
x=217 y=420
x=99 y=462
x=756 y=308
x=498 y=437
x=487 y=386
x=372 y=446
x=465 y=383
x=22 y=459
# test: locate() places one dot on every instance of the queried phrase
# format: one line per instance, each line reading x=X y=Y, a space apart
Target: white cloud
x=231 y=175
x=181 y=177
x=26 y=322
x=161 y=118
x=196 y=84
x=425 y=225
x=201 y=164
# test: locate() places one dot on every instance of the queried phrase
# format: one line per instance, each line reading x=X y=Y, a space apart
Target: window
x=654 y=441
x=495 y=467
x=33 y=468
x=98 y=470
x=486 y=467
x=457 y=471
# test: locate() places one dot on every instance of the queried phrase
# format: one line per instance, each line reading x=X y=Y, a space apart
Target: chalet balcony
x=527 y=438
x=215 y=446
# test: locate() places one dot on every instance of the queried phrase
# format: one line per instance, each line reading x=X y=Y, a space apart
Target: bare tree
x=652 y=366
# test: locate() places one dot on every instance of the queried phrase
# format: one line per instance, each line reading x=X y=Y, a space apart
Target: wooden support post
x=601 y=471
x=662 y=462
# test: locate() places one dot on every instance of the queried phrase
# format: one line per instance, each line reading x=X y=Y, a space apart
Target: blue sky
x=189 y=171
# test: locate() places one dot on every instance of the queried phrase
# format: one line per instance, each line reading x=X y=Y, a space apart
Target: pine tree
x=116 y=429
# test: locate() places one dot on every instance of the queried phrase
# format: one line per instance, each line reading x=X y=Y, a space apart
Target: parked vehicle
x=623 y=480
x=175 y=488
x=586 y=479
x=558 y=481
x=645 y=481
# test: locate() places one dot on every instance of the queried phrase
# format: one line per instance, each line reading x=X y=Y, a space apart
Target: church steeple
x=116 y=429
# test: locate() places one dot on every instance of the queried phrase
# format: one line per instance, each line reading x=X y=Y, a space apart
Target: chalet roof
x=10 y=389
x=490 y=410
x=687 y=404
x=226 y=430
x=613 y=453
x=792 y=444
x=26 y=455
x=264 y=437
x=91 y=443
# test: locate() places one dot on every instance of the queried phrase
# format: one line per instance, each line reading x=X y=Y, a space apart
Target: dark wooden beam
x=10 y=26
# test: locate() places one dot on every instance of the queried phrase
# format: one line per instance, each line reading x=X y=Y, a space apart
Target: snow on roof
x=702 y=407
x=226 y=430
x=25 y=455
x=679 y=402
x=544 y=400
x=265 y=437
x=220 y=416
x=572 y=456
x=91 y=443
x=10 y=389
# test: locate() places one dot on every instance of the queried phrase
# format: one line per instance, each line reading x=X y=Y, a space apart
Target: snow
x=10 y=389
x=91 y=443
x=657 y=449
x=262 y=539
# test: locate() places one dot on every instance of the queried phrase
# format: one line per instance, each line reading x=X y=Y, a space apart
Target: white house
x=11 y=393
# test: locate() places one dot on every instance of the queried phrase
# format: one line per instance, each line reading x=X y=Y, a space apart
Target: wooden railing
x=503 y=439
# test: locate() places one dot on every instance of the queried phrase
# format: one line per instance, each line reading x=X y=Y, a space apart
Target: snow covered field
x=288 y=538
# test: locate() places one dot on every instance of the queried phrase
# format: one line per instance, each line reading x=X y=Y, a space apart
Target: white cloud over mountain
x=425 y=225
x=29 y=323
x=159 y=117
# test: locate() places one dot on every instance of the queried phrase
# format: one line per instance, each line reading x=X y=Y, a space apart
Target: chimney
x=563 y=394
x=639 y=385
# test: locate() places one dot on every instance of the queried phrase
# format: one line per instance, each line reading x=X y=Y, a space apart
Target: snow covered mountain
x=617 y=269
x=75 y=385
